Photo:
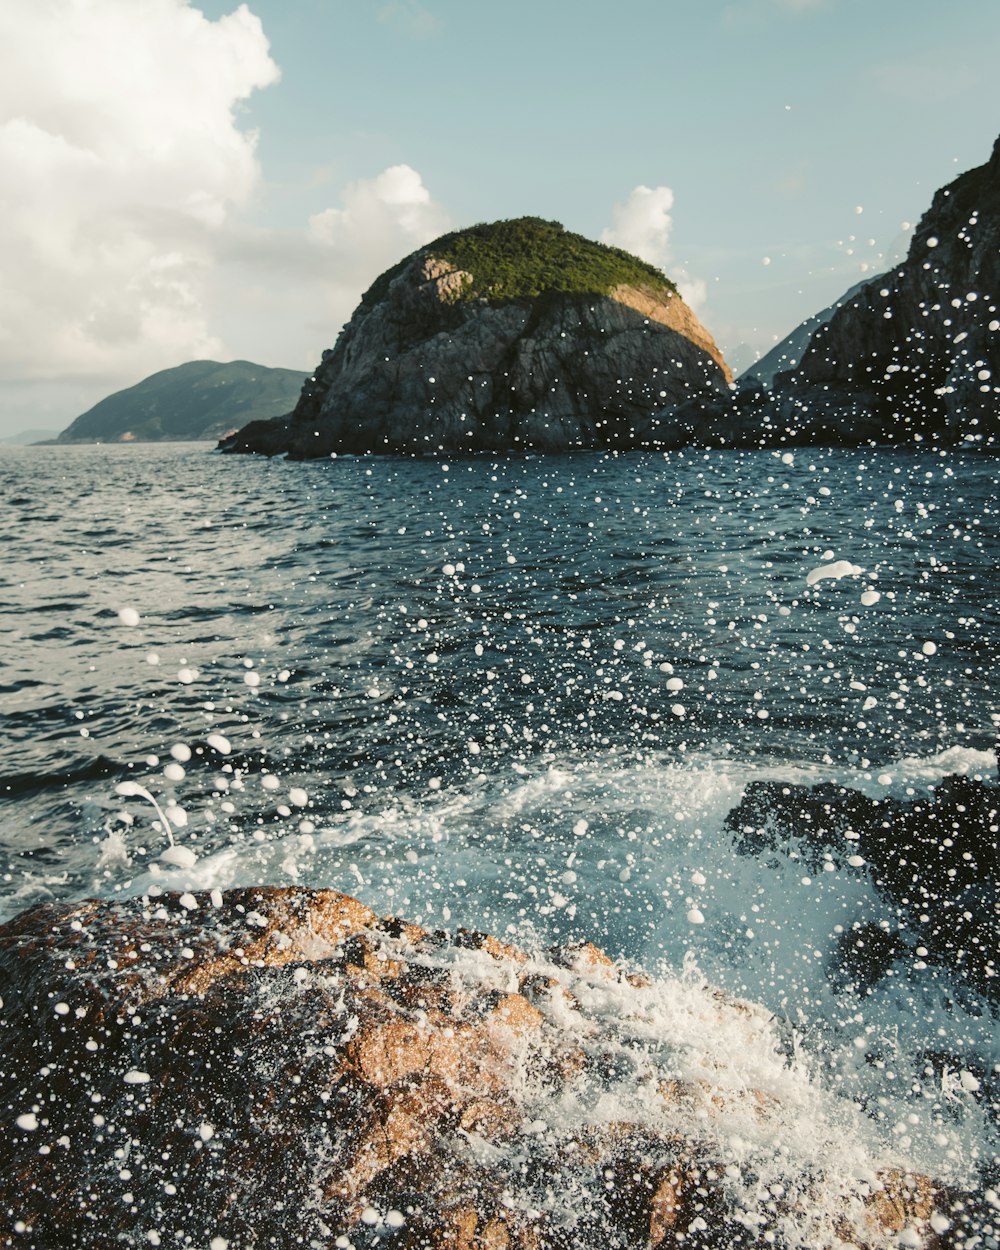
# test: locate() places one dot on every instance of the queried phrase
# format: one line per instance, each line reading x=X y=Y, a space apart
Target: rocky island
x=512 y=335
x=521 y=335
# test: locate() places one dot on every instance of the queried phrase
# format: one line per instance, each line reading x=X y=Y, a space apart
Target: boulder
x=933 y=857
x=280 y=1067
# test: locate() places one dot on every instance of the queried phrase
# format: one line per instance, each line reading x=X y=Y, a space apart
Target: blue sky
x=200 y=179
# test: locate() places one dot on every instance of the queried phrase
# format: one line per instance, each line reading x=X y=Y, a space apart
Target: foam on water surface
x=524 y=696
x=636 y=857
x=678 y=1058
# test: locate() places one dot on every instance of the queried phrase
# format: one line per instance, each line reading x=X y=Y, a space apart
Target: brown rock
x=401 y=1124
x=903 y=1200
x=491 y=1118
x=515 y=1012
x=582 y=956
x=665 y=1207
x=384 y=1053
x=283 y=1069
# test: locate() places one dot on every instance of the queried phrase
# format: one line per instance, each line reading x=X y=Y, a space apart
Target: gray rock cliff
x=911 y=356
x=439 y=358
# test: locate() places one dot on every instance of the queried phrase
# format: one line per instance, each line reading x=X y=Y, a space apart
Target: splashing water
x=525 y=696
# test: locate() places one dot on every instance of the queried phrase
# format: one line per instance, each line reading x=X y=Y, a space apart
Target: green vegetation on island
x=525 y=257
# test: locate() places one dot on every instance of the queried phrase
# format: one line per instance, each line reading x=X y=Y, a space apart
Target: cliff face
x=440 y=363
x=280 y=1067
x=921 y=345
x=913 y=355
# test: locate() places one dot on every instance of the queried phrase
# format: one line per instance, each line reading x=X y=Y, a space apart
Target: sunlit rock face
x=280 y=1067
x=538 y=343
x=911 y=356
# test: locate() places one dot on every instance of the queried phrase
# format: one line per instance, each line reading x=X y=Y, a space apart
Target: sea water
x=522 y=694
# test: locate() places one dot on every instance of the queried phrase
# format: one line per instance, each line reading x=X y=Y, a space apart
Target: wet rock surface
x=935 y=859
x=280 y=1067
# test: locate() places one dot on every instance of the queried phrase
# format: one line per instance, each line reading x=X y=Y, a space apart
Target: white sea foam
x=833 y=572
x=636 y=857
x=675 y=1057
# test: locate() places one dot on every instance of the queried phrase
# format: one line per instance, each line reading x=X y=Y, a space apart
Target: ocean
x=524 y=695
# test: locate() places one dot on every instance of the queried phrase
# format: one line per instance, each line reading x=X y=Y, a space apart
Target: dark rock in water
x=279 y=1068
x=201 y=399
x=935 y=858
x=866 y=954
x=513 y=335
x=912 y=355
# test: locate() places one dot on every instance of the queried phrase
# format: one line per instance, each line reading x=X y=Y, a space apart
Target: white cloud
x=121 y=161
x=382 y=217
x=127 y=187
x=642 y=225
x=282 y=295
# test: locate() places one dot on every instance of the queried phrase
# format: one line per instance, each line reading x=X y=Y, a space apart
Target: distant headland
x=201 y=399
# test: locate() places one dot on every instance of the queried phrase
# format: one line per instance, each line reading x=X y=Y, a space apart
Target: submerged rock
x=934 y=857
x=280 y=1067
x=513 y=335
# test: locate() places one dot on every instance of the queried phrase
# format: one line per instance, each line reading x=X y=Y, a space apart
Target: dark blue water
x=516 y=694
x=419 y=623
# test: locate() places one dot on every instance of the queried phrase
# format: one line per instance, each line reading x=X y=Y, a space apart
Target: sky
x=184 y=180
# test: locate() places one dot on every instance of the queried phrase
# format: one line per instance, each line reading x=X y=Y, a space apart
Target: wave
x=636 y=856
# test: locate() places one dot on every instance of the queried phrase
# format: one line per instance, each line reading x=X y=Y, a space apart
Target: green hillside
x=198 y=400
x=528 y=256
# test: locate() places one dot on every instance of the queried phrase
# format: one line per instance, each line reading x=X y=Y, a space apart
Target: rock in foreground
x=279 y=1067
x=514 y=335
x=932 y=858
